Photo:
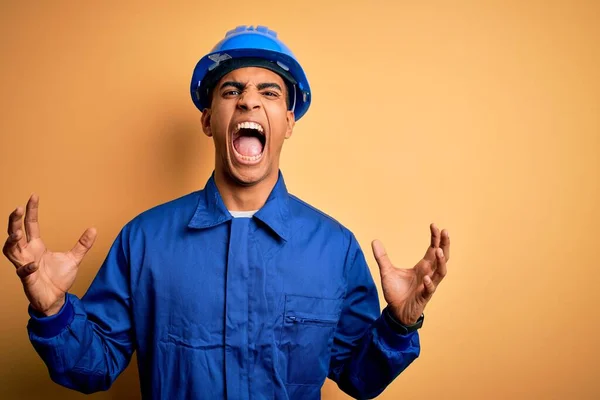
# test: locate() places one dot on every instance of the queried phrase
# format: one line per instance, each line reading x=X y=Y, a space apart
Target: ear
x=291 y=121
x=206 y=114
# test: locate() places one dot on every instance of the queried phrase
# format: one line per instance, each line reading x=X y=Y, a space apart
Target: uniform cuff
x=48 y=327
x=390 y=336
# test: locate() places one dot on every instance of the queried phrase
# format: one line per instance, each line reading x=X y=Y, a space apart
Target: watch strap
x=399 y=327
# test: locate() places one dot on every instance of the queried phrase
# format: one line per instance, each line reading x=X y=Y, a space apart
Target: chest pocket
x=309 y=325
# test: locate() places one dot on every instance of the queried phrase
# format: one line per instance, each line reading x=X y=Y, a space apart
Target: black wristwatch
x=399 y=327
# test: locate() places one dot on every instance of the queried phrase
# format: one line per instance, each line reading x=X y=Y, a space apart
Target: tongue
x=248 y=146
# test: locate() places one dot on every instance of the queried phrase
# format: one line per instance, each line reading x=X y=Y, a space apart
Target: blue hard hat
x=250 y=46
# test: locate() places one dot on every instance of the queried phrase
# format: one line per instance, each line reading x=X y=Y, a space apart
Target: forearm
x=78 y=353
x=376 y=360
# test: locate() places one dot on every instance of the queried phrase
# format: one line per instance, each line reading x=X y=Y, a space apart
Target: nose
x=249 y=100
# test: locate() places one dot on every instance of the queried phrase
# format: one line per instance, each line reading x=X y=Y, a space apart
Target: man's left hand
x=407 y=291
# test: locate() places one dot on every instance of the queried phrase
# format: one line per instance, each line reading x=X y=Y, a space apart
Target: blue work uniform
x=219 y=307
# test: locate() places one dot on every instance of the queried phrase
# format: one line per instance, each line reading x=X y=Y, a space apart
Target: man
x=239 y=290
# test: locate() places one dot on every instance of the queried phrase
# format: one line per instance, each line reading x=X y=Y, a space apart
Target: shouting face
x=248 y=120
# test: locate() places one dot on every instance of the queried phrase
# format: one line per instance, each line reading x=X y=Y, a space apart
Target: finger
x=429 y=288
x=12 y=242
x=12 y=249
x=27 y=270
x=428 y=267
x=384 y=262
x=433 y=244
x=32 y=227
x=435 y=236
x=445 y=244
x=15 y=224
x=14 y=220
x=83 y=245
x=441 y=270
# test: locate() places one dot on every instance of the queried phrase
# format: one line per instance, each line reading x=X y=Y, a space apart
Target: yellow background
x=483 y=116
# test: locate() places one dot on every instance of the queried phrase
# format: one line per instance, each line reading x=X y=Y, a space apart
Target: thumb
x=27 y=270
x=381 y=257
x=84 y=244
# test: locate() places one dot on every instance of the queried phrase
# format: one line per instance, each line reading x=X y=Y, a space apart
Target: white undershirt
x=242 y=214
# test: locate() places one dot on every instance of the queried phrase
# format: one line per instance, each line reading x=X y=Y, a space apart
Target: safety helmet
x=247 y=46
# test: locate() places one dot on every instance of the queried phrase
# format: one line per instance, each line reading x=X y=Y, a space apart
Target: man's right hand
x=46 y=276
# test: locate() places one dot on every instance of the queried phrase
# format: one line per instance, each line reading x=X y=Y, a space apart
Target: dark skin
x=46 y=276
x=408 y=290
x=247 y=94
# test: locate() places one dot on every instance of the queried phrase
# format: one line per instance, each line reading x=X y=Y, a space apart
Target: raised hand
x=407 y=291
x=46 y=276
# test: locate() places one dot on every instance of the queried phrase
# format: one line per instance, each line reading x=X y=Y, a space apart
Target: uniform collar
x=211 y=210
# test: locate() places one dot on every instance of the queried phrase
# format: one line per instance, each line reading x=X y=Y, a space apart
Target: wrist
x=53 y=309
x=52 y=325
x=399 y=326
x=403 y=316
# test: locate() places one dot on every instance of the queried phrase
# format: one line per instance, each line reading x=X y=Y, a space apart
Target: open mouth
x=248 y=141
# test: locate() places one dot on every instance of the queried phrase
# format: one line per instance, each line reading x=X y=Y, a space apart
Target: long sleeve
x=89 y=342
x=367 y=353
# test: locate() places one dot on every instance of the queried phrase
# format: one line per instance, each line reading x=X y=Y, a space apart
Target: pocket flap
x=316 y=308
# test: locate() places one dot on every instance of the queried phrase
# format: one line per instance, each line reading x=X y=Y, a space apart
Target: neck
x=239 y=197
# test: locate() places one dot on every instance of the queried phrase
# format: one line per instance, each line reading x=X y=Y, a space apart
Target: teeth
x=247 y=158
x=249 y=125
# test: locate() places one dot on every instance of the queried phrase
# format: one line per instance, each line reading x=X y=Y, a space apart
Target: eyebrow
x=238 y=85
x=269 y=85
x=261 y=86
